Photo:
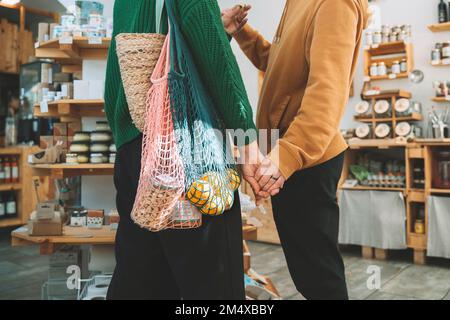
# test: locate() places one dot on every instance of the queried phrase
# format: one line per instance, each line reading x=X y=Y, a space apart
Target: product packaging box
x=63 y=139
x=45 y=142
x=95 y=219
x=51 y=227
x=60 y=129
x=81 y=90
x=73 y=127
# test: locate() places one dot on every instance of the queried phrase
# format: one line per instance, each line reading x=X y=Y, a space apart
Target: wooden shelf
x=388 y=48
x=10 y=186
x=413 y=117
x=72 y=109
x=441 y=99
x=60 y=171
x=386 y=77
x=362 y=188
x=386 y=94
x=434 y=142
x=440 y=191
x=440 y=64
x=439 y=27
x=10 y=222
x=73 y=53
x=356 y=143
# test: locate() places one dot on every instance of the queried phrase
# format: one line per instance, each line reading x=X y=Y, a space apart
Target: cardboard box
x=63 y=139
x=60 y=129
x=46 y=142
x=73 y=127
x=51 y=227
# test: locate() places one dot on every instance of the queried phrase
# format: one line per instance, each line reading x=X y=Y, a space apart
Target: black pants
x=203 y=263
x=307 y=218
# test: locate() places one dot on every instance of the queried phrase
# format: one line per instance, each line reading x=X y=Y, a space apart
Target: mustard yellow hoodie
x=309 y=68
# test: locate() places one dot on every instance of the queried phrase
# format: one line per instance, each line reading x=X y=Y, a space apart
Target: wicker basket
x=138 y=54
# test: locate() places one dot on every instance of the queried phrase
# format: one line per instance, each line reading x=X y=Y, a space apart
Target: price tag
x=66 y=40
x=44 y=106
x=95 y=40
x=36 y=45
x=392 y=76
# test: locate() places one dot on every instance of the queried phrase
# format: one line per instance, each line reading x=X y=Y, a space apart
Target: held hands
x=234 y=19
x=261 y=173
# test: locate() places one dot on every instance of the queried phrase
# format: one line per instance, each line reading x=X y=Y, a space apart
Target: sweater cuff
x=286 y=162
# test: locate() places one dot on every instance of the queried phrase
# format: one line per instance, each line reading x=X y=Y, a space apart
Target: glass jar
x=373 y=70
x=362 y=109
x=395 y=68
x=71 y=158
x=78 y=218
x=112 y=148
x=382 y=70
x=393 y=37
x=377 y=37
x=81 y=136
x=102 y=126
x=369 y=38
x=441 y=174
x=419 y=226
x=436 y=56
x=404 y=129
x=97 y=158
x=99 y=147
x=404 y=65
x=112 y=158
x=101 y=136
x=83 y=158
x=446 y=50
x=385 y=37
x=382 y=131
x=363 y=131
x=382 y=109
x=79 y=147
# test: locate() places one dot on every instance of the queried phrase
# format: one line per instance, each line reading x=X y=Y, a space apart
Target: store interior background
x=98 y=191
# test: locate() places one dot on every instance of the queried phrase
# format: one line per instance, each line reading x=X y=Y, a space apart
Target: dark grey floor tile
x=282 y=281
x=379 y=295
x=258 y=248
x=296 y=296
x=423 y=282
x=7 y=268
x=268 y=261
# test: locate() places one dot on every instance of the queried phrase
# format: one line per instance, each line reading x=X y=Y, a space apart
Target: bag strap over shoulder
x=159 y=12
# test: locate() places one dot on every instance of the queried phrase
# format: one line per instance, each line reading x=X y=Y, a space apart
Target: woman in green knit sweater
x=204 y=263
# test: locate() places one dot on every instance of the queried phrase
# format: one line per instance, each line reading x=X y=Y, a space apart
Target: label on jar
x=382 y=130
x=2 y=209
x=381 y=106
x=362 y=107
x=362 y=131
x=11 y=207
x=15 y=173
x=402 y=105
x=403 y=129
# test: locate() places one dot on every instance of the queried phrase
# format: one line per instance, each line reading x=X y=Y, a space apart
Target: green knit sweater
x=202 y=27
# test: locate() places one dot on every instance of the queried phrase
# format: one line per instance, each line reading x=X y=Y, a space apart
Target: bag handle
x=158 y=15
x=175 y=41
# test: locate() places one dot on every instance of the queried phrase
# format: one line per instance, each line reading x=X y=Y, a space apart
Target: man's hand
x=250 y=158
x=269 y=178
x=234 y=19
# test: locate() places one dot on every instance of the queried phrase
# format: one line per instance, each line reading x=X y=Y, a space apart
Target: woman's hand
x=234 y=19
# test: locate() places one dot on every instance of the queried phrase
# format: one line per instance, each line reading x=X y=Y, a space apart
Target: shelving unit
x=71 y=109
x=439 y=27
x=24 y=195
x=60 y=171
x=441 y=99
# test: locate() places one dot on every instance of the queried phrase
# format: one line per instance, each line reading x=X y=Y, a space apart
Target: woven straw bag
x=138 y=54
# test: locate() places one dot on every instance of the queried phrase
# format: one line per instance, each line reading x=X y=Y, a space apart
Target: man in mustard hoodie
x=308 y=68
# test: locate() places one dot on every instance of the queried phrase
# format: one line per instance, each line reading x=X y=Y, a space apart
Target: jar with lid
x=102 y=126
x=369 y=38
x=101 y=136
x=419 y=226
x=385 y=28
x=395 y=68
x=436 y=56
x=404 y=129
x=385 y=37
x=403 y=36
x=97 y=158
x=99 y=147
x=404 y=66
x=377 y=38
x=446 y=49
x=373 y=72
x=363 y=131
x=78 y=217
x=362 y=109
x=441 y=170
x=81 y=136
x=393 y=37
x=83 y=158
x=405 y=107
x=382 y=109
x=71 y=158
x=112 y=158
x=382 y=70
x=79 y=147
x=382 y=130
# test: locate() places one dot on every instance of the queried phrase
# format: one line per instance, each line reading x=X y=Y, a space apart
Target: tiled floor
x=23 y=271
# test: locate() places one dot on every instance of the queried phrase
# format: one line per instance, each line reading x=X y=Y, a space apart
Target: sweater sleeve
x=202 y=27
x=255 y=46
x=327 y=90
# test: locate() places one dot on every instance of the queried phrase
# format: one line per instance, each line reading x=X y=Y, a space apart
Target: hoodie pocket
x=278 y=112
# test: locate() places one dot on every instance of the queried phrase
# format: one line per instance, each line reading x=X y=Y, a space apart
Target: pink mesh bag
x=160 y=203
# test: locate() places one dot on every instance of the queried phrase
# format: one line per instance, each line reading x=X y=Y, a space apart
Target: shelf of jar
x=71 y=109
x=417 y=240
x=439 y=27
x=391 y=76
x=385 y=94
x=356 y=143
x=73 y=49
x=366 y=188
x=439 y=191
x=440 y=64
x=10 y=187
x=10 y=222
x=413 y=117
x=388 y=48
x=441 y=99
x=416 y=195
x=64 y=170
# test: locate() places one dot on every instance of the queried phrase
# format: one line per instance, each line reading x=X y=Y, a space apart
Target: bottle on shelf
x=2 y=207
x=7 y=167
x=2 y=172
x=443 y=12
x=14 y=170
x=11 y=207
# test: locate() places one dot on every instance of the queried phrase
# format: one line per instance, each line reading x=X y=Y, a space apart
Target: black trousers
x=204 y=263
x=306 y=214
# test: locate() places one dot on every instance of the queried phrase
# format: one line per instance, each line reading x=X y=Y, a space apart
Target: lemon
x=199 y=193
x=234 y=179
x=214 y=206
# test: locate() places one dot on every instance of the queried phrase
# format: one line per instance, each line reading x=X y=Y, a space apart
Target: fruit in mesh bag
x=234 y=179
x=200 y=192
x=214 y=206
x=227 y=197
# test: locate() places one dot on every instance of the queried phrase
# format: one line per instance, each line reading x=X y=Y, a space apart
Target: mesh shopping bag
x=209 y=170
x=159 y=203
